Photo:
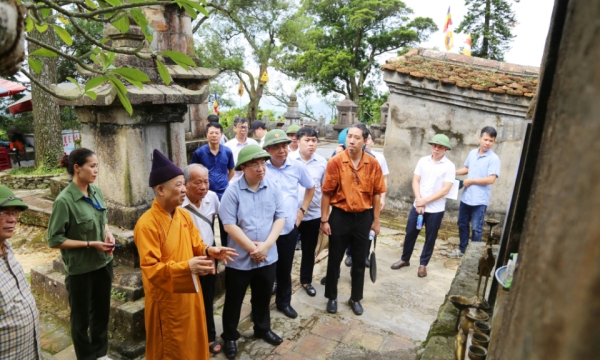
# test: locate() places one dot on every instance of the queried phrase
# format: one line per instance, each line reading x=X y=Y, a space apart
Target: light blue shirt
x=254 y=212
x=291 y=174
x=316 y=166
x=480 y=167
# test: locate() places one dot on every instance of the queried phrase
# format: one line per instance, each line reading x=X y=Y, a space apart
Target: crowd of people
x=266 y=194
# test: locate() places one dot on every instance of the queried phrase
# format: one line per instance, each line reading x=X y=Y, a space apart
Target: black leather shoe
x=348 y=261
x=274 y=289
x=332 y=306
x=230 y=349
x=288 y=311
x=310 y=290
x=323 y=280
x=270 y=337
x=355 y=306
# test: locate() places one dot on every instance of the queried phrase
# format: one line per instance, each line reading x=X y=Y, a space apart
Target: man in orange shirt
x=352 y=186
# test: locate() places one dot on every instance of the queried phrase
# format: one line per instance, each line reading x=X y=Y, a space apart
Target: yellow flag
x=264 y=77
x=241 y=89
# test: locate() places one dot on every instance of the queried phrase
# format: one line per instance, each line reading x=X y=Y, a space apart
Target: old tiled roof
x=467 y=72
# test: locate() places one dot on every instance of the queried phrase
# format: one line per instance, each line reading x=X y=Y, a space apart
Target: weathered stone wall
x=29 y=182
x=553 y=310
x=420 y=108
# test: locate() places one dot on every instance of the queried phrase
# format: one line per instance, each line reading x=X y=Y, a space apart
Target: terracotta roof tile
x=466 y=72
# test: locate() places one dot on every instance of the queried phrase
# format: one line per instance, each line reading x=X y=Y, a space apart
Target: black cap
x=257 y=124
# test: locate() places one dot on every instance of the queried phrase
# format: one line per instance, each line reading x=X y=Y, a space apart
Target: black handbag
x=373 y=260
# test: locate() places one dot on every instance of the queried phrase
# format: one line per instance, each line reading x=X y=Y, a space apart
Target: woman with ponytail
x=78 y=227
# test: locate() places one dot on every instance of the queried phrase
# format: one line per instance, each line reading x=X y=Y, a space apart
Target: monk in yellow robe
x=172 y=255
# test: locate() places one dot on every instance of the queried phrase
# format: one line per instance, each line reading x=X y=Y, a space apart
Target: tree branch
x=135 y=52
x=48 y=90
x=62 y=54
x=93 y=14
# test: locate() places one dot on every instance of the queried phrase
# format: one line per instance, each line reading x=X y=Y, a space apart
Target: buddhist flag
x=468 y=44
x=449 y=40
x=241 y=89
x=448 y=20
x=264 y=77
x=216 y=105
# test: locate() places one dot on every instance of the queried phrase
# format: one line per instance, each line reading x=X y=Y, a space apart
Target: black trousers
x=89 y=298
x=348 y=228
x=261 y=282
x=286 y=246
x=309 y=235
x=207 y=282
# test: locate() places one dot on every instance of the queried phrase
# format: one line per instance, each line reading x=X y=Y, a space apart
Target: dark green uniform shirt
x=75 y=218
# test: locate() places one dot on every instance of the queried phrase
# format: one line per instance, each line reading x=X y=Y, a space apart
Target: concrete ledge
x=440 y=339
x=29 y=182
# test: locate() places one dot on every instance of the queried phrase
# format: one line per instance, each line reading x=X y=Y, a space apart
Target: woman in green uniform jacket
x=78 y=227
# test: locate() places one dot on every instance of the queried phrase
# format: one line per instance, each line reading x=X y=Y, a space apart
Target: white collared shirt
x=316 y=166
x=209 y=207
x=433 y=176
x=236 y=147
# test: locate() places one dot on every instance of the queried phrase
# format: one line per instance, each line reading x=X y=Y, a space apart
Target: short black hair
x=212 y=118
x=215 y=125
x=306 y=131
x=362 y=127
x=490 y=131
x=238 y=121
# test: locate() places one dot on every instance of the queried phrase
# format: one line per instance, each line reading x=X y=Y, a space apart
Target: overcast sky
x=527 y=48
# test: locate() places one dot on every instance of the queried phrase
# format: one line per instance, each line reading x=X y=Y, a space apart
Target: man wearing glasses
x=287 y=173
x=353 y=185
x=19 y=323
x=241 y=140
x=252 y=211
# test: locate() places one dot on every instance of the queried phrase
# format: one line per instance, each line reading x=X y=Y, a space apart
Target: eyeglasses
x=9 y=213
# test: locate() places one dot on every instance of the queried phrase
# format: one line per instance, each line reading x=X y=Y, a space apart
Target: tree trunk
x=253 y=107
x=255 y=98
x=486 y=30
x=46 y=113
x=12 y=49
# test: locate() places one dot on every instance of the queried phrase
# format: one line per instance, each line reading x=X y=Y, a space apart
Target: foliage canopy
x=489 y=22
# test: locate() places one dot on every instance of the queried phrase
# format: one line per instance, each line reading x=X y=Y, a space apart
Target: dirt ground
x=30 y=247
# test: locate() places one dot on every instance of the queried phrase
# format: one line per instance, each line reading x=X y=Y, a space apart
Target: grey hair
x=187 y=172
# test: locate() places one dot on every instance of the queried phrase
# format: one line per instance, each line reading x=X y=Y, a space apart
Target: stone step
x=126 y=322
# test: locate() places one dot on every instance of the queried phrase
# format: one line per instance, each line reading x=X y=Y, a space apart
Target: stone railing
x=25 y=182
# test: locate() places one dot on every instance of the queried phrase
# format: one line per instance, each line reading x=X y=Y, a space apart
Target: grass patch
x=40 y=170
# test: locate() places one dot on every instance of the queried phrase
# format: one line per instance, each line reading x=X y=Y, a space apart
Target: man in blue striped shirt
x=482 y=168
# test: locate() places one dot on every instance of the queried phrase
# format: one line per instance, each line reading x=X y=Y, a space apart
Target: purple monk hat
x=162 y=169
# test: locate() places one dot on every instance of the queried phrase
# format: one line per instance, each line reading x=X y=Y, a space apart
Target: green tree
x=337 y=50
x=489 y=22
x=236 y=27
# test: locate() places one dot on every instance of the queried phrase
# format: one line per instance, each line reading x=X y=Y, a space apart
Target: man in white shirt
x=203 y=206
x=311 y=223
x=259 y=130
x=241 y=140
x=432 y=181
x=291 y=133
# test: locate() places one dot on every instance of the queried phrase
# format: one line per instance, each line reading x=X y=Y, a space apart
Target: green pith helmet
x=8 y=199
x=249 y=153
x=441 y=139
x=276 y=136
x=292 y=129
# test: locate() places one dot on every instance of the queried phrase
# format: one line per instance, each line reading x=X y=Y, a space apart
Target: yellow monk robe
x=174 y=312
